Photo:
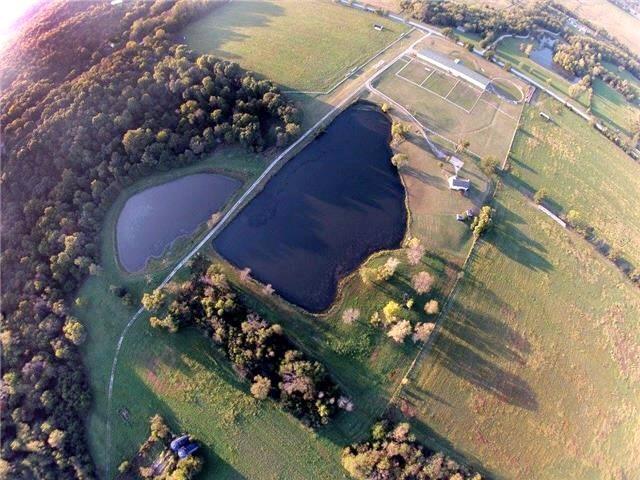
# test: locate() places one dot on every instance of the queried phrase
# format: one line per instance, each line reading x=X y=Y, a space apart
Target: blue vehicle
x=179 y=442
x=187 y=450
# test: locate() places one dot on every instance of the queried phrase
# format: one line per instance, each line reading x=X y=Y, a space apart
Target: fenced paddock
x=440 y=83
x=451 y=107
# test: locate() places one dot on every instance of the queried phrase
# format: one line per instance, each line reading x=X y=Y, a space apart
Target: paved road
x=235 y=208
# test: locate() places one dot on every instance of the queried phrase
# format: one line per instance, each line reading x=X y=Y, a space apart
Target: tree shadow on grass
x=436 y=442
x=253 y=14
x=510 y=239
x=424 y=177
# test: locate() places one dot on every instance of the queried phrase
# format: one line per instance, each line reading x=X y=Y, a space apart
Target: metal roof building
x=456 y=69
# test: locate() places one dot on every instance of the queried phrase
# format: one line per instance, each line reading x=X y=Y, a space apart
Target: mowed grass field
x=581 y=170
x=535 y=372
x=489 y=126
x=305 y=46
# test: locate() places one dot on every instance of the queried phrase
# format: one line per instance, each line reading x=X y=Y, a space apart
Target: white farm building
x=456 y=69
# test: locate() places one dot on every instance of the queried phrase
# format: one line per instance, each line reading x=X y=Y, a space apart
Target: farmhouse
x=457 y=183
x=456 y=69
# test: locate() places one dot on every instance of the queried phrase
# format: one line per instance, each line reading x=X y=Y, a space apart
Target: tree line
x=259 y=351
x=94 y=97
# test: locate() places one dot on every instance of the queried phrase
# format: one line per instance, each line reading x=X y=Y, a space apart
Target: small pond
x=543 y=55
x=324 y=213
x=153 y=219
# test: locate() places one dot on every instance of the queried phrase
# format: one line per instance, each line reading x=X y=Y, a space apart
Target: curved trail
x=235 y=208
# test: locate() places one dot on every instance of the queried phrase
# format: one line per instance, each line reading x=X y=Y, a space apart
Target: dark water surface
x=330 y=207
x=543 y=55
x=152 y=219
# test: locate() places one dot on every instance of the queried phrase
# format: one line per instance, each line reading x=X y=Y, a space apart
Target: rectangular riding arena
x=441 y=83
x=453 y=101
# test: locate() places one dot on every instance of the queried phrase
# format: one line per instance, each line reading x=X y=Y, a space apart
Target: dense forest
x=580 y=54
x=94 y=97
x=259 y=351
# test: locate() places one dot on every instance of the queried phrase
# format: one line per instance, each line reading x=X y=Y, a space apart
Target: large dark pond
x=154 y=218
x=329 y=208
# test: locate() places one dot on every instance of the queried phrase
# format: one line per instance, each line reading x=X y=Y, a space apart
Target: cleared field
x=488 y=127
x=184 y=379
x=624 y=74
x=434 y=206
x=612 y=19
x=535 y=372
x=581 y=170
x=607 y=105
x=305 y=46
x=613 y=108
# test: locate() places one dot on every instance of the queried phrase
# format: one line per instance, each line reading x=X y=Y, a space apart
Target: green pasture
x=305 y=46
x=534 y=373
x=581 y=170
x=613 y=109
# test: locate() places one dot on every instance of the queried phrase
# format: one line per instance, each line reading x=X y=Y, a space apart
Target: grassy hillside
x=311 y=44
x=535 y=371
x=581 y=170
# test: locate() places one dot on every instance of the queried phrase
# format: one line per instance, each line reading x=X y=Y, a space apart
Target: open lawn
x=581 y=170
x=184 y=379
x=433 y=205
x=306 y=46
x=535 y=371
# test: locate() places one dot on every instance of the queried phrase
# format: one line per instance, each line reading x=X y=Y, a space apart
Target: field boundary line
x=427 y=77
x=233 y=210
x=404 y=66
x=446 y=97
x=432 y=92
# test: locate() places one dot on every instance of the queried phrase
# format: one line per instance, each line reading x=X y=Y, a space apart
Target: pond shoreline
x=333 y=206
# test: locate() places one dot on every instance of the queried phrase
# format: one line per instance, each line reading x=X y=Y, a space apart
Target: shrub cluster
x=259 y=351
x=392 y=453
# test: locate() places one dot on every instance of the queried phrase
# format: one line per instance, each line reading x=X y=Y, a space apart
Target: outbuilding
x=457 y=183
x=457 y=69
